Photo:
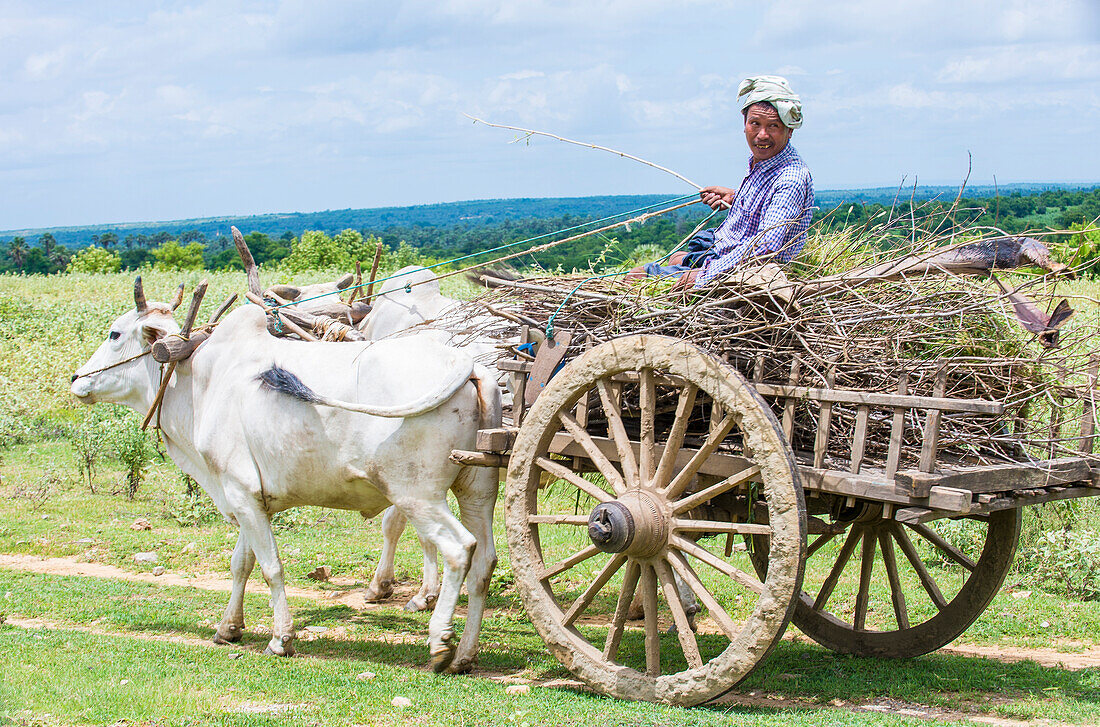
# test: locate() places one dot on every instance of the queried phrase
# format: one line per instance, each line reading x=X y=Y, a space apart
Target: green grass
x=77 y=676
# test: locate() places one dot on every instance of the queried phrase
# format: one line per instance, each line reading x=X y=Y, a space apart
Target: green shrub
x=194 y=507
x=317 y=251
x=172 y=256
x=1082 y=250
x=135 y=452
x=1065 y=562
x=94 y=260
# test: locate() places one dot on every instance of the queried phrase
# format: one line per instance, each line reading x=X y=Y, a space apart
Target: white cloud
x=1014 y=63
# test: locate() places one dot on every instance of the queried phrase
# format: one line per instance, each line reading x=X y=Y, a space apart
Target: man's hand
x=687 y=280
x=717 y=197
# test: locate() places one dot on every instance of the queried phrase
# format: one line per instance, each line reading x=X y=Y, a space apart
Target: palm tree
x=17 y=250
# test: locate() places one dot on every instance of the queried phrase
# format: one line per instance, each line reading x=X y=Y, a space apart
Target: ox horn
x=178 y=300
x=249 y=263
x=345 y=281
x=139 y=295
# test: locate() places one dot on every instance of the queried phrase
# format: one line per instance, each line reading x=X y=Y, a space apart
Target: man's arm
x=783 y=213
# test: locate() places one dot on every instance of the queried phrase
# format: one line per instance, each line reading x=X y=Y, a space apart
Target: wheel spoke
x=716 y=563
x=714 y=526
x=618 y=433
x=714 y=490
x=690 y=577
x=948 y=549
x=897 y=596
x=601 y=580
x=564 y=473
x=683 y=477
x=563 y=565
x=866 y=566
x=684 y=631
x=603 y=464
x=913 y=557
x=684 y=405
x=622 y=607
x=555 y=519
x=652 y=630
x=816 y=545
x=648 y=399
x=827 y=587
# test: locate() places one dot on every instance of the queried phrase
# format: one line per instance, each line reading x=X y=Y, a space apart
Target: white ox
x=396 y=310
x=250 y=417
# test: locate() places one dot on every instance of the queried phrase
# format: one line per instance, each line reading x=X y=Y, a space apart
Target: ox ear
x=286 y=292
x=153 y=329
x=345 y=281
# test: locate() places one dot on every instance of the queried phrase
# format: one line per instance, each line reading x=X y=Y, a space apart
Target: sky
x=145 y=110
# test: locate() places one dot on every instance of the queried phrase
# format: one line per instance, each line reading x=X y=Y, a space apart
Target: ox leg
x=477 y=498
x=256 y=528
x=232 y=624
x=429 y=587
x=381 y=586
x=435 y=523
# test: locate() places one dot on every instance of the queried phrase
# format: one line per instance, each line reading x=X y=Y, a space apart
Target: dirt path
x=346 y=593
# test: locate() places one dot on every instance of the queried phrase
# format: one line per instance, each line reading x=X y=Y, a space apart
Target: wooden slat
x=824 y=421
x=1088 y=409
x=871 y=398
x=859 y=438
x=932 y=425
x=496 y=440
x=790 y=404
x=875 y=488
x=897 y=430
x=1001 y=477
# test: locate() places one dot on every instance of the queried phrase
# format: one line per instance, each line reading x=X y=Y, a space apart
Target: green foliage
x=1066 y=562
x=92 y=438
x=1082 y=251
x=171 y=256
x=194 y=507
x=134 y=451
x=317 y=251
x=94 y=260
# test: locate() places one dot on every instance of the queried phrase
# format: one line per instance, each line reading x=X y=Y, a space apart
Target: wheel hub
x=634 y=524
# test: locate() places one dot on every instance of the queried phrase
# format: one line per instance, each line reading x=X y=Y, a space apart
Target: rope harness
x=117 y=363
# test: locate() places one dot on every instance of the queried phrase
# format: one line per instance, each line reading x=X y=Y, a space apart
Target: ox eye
x=114 y=335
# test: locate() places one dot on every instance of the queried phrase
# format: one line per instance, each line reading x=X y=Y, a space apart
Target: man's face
x=765 y=133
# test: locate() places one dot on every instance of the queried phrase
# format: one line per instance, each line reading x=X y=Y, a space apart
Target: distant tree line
x=1013 y=213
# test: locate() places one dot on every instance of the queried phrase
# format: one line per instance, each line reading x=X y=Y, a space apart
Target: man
x=769 y=212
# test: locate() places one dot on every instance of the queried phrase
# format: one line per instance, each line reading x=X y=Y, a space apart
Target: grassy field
x=121 y=644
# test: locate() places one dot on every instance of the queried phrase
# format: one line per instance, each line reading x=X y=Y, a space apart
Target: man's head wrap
x=776 y=91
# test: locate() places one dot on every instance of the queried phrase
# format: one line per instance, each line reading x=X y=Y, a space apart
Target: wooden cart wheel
x=859 y=603
x=582 y=544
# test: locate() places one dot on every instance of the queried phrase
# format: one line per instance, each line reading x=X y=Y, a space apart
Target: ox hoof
x=444 y=653
x=229 y=635
x=461 y=666
x=384 y=591
x=281 y=647
x=418 y=603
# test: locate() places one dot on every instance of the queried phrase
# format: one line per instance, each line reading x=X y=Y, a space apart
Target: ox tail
x=284 y=382
x=488 y=398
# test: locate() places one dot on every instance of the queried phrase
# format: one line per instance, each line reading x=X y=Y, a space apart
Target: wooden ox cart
x=647 y=470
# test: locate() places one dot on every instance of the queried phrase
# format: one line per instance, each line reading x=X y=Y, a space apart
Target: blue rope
x=408 y=286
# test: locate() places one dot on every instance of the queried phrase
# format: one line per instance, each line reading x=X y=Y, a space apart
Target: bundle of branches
x=862 y=312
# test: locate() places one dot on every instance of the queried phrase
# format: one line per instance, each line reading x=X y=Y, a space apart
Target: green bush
x=90 y=439
x=194 y=507
x=1065 y=562
x=135 y=452
x=172 y=256
x=1082 y=250
x=94 y=260
x=317 y=251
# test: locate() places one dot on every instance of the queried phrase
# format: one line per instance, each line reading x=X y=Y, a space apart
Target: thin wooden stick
x=531 y=132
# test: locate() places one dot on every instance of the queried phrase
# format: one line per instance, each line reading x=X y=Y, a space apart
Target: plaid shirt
x=769 y=218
